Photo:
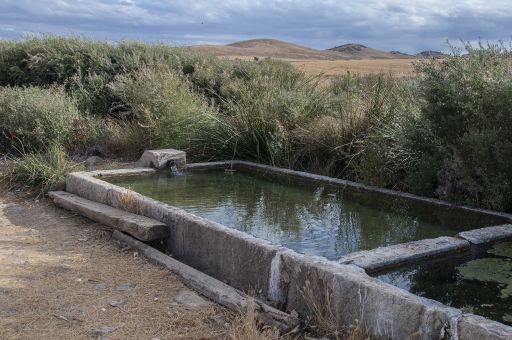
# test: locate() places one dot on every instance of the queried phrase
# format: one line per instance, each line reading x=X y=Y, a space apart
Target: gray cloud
x=384 y=24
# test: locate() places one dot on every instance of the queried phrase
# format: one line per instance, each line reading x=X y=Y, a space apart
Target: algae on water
x=489 y=270
x=503 y=249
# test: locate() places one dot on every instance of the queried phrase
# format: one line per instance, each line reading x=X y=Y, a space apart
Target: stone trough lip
x=108 y=193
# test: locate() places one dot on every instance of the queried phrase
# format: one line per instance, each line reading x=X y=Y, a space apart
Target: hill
x=358 y=51
x=267 y=48
x=431 y=54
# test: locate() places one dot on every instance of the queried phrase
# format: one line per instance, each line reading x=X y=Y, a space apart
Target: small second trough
x=261 y=229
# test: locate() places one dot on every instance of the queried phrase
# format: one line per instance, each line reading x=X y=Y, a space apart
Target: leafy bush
x=85 y=67
x=32 y=118
x=465 y=136
x=163 y=106
x=40 y=171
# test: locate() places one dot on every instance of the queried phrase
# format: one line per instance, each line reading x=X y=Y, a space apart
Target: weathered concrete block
x=229 y=255
x=488 y=234
x=385 y=257
x=142 y=228
x=473 y=327
x=160 y=158
x=348 y=296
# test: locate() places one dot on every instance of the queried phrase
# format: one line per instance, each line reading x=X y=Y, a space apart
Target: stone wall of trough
x=342 y=293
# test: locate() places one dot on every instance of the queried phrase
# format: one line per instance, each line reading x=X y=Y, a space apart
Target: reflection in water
x=306 y=216
x=485 y=291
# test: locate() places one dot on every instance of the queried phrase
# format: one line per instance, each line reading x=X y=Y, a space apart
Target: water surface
x=478 y=282
x=307 y=216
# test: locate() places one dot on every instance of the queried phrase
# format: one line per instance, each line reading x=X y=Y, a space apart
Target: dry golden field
x=352 y=58
x=330 y=68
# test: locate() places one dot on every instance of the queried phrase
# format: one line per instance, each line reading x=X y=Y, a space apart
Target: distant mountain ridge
x=266 y=48
x=431 y=54
x=273 y=48
x=363 y=52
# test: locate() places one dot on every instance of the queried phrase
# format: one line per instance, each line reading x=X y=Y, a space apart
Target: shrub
x=84 y=67
x=39 y=171
x=261 y=103
x=361 y=115
x=164 y=107
x=32 y=118
x=466 y=134
x=126 y=140
x=385 y=155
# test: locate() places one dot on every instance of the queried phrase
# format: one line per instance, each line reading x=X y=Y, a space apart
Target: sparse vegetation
x=444 y=133
x=39 y=172
x=32 y=118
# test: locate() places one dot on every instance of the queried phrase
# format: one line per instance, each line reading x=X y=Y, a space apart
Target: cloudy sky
x=409 y=26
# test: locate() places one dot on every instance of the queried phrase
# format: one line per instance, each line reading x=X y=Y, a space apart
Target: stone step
x=140 y=227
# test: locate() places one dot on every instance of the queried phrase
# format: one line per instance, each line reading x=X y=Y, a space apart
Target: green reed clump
x=260 y=105
x=39 y=171
x=358 y=109
x=164 y=107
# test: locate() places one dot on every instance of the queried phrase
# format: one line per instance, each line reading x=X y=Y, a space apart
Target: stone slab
x=143 y=228
x=399 y=254
x=488 y=234
x=473 y=327
x=160 y=159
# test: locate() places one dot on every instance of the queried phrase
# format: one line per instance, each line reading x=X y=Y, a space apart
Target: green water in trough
x=478 y=282
x=306 y=216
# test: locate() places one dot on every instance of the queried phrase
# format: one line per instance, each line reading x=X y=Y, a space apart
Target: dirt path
x=62 y=277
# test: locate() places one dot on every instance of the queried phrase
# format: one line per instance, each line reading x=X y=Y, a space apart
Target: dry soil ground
x=62 y=277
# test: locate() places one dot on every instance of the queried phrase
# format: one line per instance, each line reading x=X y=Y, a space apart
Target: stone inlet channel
x=291 y=281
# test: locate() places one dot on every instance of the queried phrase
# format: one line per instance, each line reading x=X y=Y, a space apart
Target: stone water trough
x=224 y=264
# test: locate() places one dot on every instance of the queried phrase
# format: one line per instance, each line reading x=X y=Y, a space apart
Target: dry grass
x=59 y=273
x=246 y=327
x=332 y=68
x=128 y=202
x=324 y=316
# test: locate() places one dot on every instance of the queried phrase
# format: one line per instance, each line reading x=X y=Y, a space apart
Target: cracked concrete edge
x=404 y=253
x=472 y=327
x=349 y=297
x=487 y=234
